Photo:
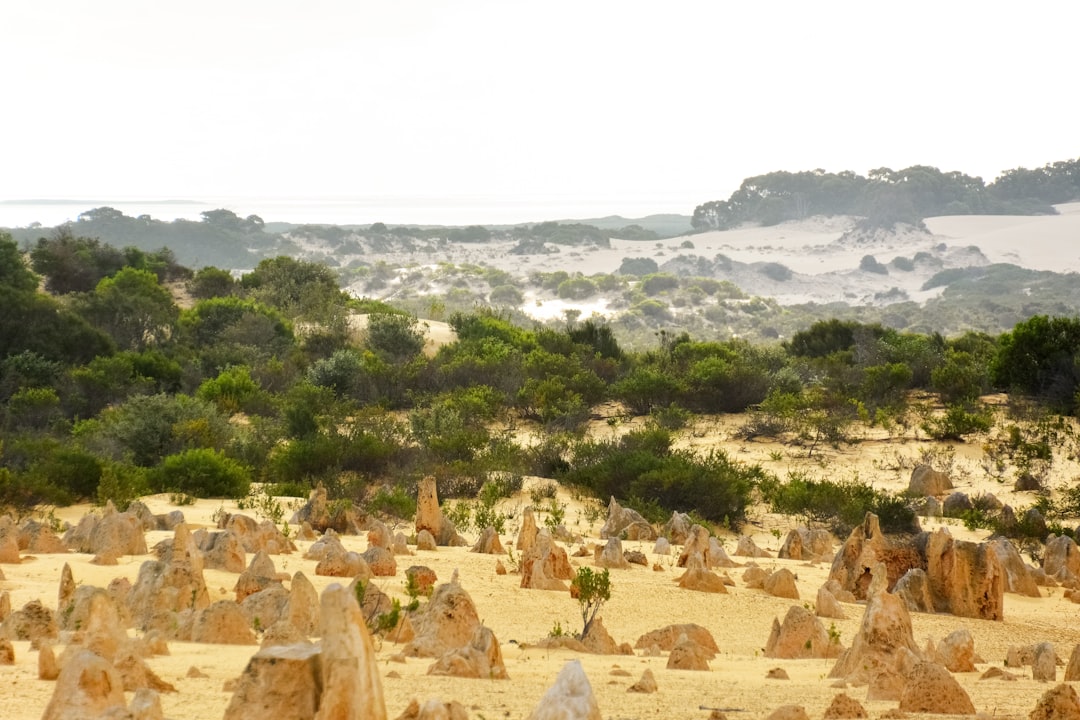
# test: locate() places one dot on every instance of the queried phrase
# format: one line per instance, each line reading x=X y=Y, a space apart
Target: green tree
x=395 y=337
x=592 y=590
x=1039 y=357
x=210 y=282
x=133 y=308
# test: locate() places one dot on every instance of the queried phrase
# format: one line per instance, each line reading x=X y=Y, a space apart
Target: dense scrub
x=108 y=388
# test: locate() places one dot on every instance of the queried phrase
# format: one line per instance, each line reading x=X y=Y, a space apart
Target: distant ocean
x=342 y=211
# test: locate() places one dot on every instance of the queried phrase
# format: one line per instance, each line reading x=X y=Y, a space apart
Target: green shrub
x=840 y=504
x=959 y=420
x=393 y=501
x=203 y=473
x=644 y=464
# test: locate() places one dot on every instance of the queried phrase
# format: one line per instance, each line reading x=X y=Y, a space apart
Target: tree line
x=884 y=197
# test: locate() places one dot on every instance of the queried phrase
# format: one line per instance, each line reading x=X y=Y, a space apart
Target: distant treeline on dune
x=885 y=197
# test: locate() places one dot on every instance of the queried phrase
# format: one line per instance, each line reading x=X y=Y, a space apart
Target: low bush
x=203 y=473
x=839 y=504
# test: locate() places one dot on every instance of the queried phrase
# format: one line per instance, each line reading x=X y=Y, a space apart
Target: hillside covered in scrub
x=111 y=389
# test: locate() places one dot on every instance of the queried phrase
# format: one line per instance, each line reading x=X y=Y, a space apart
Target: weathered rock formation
x=449 y=621
x=688 y=655
x=624 y=522
x=666 y=637
x=801 y=635
x=571 y=697
x=480 y=658
x=611 y=555
x=88 y=686
x=925 y=480
x=429 y=515
x=488 y=543
x=545 y=566
x=748 y=548
x=929 y=688
x=781 y=583
x=110 y=534
x=803 y=543
x=884 y=646
x=1061 y=703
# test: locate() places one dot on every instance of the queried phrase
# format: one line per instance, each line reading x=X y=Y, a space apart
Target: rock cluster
x=626 y=523
x=429 y=515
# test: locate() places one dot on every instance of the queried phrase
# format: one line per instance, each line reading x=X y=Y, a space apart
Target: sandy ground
x=642 y=600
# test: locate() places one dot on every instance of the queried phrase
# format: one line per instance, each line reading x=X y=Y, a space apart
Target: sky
x=621 y=105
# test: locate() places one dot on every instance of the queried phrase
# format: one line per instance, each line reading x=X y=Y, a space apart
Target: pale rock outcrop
x=624 y=522
x=826 y=605
x=570 y=698
x=111 y=533
x=338 y=680
x=429 y=515
x=914 y=589
x=546 y=565
x=598 y=640
x=381 y=561
x=39 y=539
x=697 y=543
x=527 y=533
x=802 y=543
x=701 y=578
x=221 y=550
x=401 y=544
x=379 y=535
x=788 y=712
x=956 y=504
x=1044 y=664
x=748 y=548
x=423 y=577
x=666 y=637
x=9 y=541
x=449 y=621
x=256 y=536
x=662 y=546
x=718 y=557
x=864 y=549
x=647 y=683
x=166 y=589
x=259 y=575
x=223 y=623
x=480 y=658
x=957 y=651
x=100 y=625
x=966 y=579
x=884 y=646
x=34 y=622
x=1061 y=558
x=303 y=607
x=754 y=576
x=929 y=688
x=279 y=681
x=688 y=655
x=146 y=705
x=1072 y=670
x=611 y=555
x=925 y=480
x=781 y=583
x=434 y=709
x=48 y=668
x=1018 y=577
x=282 y=632
x=87 y=687
x=7 y=652
x=801 y=635
x=1061 y=703
x=488 y=543
x=135 y=674
x=316 y=514
x=425 y=541
x=266 y=607
x=844 y=707
x=350 y=674
x=677 y=529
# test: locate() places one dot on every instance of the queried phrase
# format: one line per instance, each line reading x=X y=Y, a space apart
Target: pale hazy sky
x=671 y=103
